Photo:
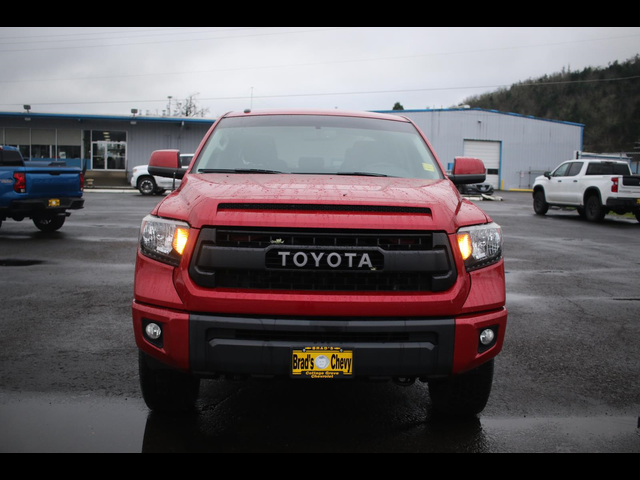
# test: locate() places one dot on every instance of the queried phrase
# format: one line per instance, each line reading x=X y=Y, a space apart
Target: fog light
x=487 y=337
x=154 y=332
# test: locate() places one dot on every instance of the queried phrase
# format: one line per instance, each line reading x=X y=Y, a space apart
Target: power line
x=328 y=94
x=293 y=32
x=145 y=34
x=77 y=34
x=312 y=64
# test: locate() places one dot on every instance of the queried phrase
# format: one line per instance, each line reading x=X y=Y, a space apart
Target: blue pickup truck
x=44 y=194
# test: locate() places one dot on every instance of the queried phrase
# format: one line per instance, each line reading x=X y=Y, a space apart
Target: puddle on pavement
x=87 y=425
x=10 y=262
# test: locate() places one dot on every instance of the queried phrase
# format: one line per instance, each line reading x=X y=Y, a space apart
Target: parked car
x=147 y=184
x=43 y=194
x=593 y=187
x=319 y=247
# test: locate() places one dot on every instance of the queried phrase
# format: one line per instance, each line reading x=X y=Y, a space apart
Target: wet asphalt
x=568 y=379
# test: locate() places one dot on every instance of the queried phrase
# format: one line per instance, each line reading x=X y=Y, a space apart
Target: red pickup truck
x=318 y=246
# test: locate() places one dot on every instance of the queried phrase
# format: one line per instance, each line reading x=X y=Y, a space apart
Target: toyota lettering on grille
x=326 y=260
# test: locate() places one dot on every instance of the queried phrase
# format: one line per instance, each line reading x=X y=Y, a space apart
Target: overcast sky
x=111 y=70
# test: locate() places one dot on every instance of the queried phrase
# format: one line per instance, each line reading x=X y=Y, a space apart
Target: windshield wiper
x=364 y=174
x=237 y=170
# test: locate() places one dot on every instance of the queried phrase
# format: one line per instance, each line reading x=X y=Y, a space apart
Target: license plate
x=321 y=362
x=54 y=202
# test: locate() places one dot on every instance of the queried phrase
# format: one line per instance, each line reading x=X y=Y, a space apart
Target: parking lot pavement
x=567 y=379
x=573 y=293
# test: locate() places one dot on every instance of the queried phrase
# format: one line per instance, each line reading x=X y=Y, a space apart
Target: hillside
x=605 y=100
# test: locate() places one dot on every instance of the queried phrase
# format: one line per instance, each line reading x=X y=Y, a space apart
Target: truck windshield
x=318 y=145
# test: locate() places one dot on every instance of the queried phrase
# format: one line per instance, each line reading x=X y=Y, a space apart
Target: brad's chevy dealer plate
x=321 y=362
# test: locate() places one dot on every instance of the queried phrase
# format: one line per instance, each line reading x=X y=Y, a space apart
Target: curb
x=110 y=190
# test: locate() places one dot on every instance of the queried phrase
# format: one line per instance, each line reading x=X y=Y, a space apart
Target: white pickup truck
x=147 y=184
x=593 y=187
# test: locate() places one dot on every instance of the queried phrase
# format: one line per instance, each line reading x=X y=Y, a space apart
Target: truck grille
x=264 y=239
x=312 y=260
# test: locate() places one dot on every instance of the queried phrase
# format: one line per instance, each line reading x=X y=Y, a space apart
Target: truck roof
x=598 y=160
x=330 y=113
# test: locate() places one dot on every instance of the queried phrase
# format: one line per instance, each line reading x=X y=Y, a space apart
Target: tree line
x=604 y=99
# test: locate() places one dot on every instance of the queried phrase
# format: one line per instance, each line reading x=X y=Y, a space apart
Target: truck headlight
x=481 y=245
x=163 y=240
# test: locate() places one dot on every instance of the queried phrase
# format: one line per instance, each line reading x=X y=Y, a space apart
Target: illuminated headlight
x=481 y=245
x=163 y=240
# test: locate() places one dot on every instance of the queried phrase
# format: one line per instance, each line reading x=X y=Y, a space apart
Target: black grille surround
x=308 y=260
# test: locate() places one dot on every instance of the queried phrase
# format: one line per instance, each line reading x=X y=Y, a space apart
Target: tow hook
x=404 y=381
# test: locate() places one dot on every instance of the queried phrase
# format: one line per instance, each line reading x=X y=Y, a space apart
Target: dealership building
x=515 y=148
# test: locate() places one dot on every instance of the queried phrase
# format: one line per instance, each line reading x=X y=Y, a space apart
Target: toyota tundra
x=318 y=247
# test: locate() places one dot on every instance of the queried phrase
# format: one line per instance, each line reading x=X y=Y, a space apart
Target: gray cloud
x=111 y=70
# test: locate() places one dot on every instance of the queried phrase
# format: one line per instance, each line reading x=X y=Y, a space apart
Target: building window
x=43 y=144
x=19 y=138
x=69 y=145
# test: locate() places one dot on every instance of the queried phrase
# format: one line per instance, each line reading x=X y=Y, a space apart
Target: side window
x=575 y=169
x=608 y=169
x=562 y=170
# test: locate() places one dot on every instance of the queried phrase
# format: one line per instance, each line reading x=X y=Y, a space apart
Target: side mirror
x=166 y=163
x=467 y=171
x=548 y=175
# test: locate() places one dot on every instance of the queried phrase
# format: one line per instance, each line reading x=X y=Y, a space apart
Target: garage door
x=489 y=153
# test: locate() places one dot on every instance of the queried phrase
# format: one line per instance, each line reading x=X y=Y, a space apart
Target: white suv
x=150 y=185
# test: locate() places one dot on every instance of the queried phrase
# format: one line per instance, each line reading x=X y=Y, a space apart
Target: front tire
x=167 y=391
x=49 y=224
x=147 y=186
x=463 y=395
x=540 y=205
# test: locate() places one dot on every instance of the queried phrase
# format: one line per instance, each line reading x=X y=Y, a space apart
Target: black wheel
x=540 y=205
x=49 y=224
x=593 y=209
x=147 y=186
x=167 y=390
x=582 y=212
x=463 y=395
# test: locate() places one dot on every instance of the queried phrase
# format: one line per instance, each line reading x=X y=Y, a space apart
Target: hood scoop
x=296 y=207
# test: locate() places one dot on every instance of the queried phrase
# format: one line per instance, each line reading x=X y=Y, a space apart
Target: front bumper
x=383 y=348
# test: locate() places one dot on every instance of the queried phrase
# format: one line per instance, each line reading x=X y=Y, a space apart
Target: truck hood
x=319 y=201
